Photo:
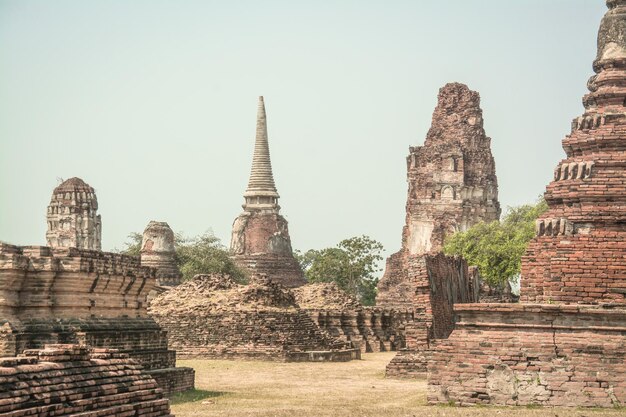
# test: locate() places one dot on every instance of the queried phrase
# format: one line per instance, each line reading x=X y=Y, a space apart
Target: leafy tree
x=497 y=247
x=202 y=254
x=351 y=264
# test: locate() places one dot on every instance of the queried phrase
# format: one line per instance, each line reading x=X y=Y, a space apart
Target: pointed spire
x=261 y=192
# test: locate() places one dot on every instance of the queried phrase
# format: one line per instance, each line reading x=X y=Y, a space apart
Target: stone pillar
x=158 y=251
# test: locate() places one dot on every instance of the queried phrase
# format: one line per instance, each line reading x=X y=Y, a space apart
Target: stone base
x=172 y=380
x=407 y=364
x=531 y=354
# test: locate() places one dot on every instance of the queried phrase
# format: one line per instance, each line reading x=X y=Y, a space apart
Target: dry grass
x=357 y=388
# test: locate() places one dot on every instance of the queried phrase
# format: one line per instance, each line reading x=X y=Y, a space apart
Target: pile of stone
x=211 y=316
x=325 y=296
x=62 y=380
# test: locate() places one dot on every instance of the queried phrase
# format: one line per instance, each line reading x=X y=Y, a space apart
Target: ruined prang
x=260 y=238
x=452 y=185
x=72 y=217
x=158 y=252
x=564 y=344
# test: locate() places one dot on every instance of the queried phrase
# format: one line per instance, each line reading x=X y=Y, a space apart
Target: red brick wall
x=516 y=354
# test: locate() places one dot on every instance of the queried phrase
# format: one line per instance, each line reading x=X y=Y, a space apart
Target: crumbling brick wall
x=517 y=354
x=70 y=295
x=70 y=380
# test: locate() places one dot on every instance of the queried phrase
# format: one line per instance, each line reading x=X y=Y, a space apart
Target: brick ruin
x=369 y=329
x=452 y=185
x=158 y=252
x=260 y=240
x=62 y=380
x=72 y=217
x=92 y=298
x=452 y=181
x=570 y=350
x=211 y=316
x=435 y=283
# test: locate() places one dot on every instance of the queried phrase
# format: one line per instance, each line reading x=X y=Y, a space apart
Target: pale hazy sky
x=153 y=103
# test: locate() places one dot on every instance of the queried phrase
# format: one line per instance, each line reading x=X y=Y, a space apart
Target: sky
x=153 y=103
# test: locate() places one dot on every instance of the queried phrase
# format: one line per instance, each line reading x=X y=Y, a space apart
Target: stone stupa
x=260 y=237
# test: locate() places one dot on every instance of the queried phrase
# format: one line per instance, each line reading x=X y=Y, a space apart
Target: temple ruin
x=452 y=185
x=72 y=217
x=211 y=316
x=564 y=344
x=260 y=237
x=62 y=380
x=158 y=252
x=51 y=295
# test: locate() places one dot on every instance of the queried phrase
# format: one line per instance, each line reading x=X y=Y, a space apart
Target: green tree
x=497 y=247
x=202 y=254
x=352 y=264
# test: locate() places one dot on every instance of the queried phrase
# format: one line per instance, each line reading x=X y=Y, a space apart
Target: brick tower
x=564 y=344
x=579 y=254
x=452 y=185
x=260 y=239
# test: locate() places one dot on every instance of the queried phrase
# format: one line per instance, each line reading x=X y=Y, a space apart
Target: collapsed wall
x=369 y=329
x=211 y=316
x=92 y=298
x=435 y=284
x=63 y=380
x=570 y=350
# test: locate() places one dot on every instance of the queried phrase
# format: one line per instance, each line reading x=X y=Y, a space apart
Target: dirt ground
x=357 y=388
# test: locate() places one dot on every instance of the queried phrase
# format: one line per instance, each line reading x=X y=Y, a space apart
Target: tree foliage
x=352 y=264
x=497 y=247
x=203 y=254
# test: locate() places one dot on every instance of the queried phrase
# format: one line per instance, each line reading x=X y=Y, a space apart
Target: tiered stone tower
x=579 y=255
x=260 y=238
x=452 y=184
x=72 y=216
x=564 y=344
x=157 y=251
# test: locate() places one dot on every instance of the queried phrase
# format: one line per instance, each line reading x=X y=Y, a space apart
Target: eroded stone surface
x=72 y=216
x=158 y=251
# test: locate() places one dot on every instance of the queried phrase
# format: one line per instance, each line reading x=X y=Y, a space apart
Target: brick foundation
x=532 y=354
